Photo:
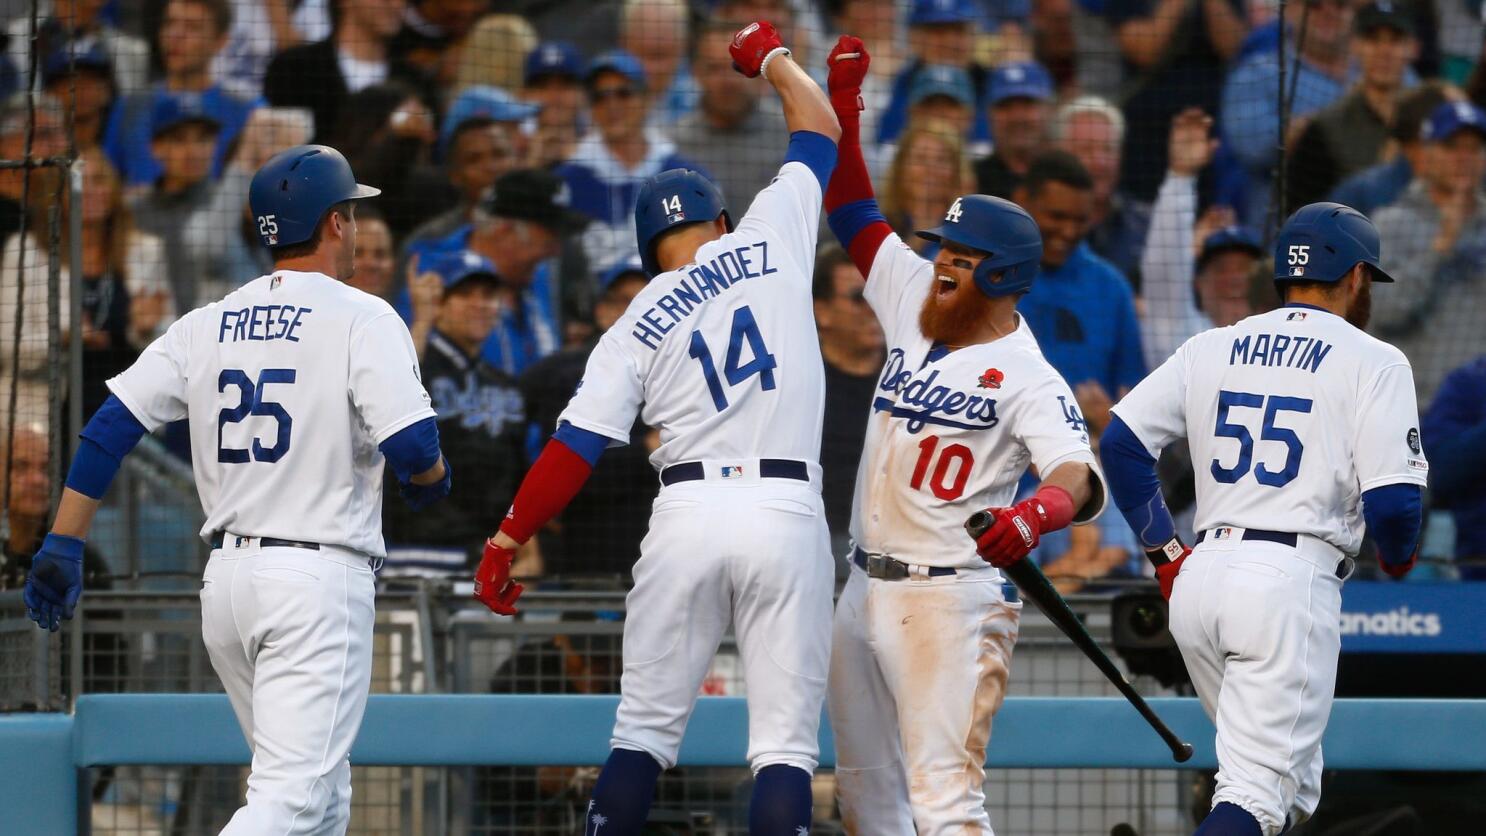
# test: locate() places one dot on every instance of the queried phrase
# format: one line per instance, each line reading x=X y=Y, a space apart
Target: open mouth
x=945 y=285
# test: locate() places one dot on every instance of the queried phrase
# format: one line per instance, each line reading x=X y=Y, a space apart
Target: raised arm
x=757 y=50
x=851 y=206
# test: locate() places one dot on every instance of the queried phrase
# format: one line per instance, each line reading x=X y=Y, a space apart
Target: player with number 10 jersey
x=966 y=402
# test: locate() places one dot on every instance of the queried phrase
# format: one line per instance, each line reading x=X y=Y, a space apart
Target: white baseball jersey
x=722 y=352
x=290 y=383
x=1290 y=416
x=951 y=431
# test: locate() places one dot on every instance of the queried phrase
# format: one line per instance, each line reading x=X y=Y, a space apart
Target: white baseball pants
x=289 y=632
x=1259 y=626
x=751 y=551
x=918 y=669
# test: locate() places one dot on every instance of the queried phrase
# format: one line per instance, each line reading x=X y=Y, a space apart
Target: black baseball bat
x=1034 y=586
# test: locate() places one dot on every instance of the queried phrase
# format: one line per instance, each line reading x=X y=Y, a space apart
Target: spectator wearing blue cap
x=478 y=153
x=731 y=133
x=1436 y=235
x=1195 y=272
x=183 y=140
x=606 y=528
x=1021 y=95
x=1348 y=135
x=506 y=112
x=192 y=34
x=939 y=32
x=320 y=76
x=1176 y=54
x=553 y=80
x=78 y=26
x=81 y=75
x=1381 y=184
x=1080 y=309
x=616 y=157
x=520 y=230
x=482 y=425
x=657 y=33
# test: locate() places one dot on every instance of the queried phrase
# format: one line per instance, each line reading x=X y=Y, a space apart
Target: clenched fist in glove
x=1017 y=530
x=493 y=585
x=847 y=63
x=754 y=47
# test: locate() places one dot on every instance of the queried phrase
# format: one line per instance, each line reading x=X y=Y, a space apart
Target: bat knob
x=978 y=523
x=1182 y=753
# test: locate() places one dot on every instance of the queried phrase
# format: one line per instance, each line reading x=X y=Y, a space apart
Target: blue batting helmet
x=293 y=190
x=671 y=199
x=1322 y=242
x=1001 y=229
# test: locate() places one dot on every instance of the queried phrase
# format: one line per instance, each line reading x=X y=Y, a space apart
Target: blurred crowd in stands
x=1156 y=142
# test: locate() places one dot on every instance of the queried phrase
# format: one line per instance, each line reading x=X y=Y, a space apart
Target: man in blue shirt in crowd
x=1454 y=432
x=526 y=215
x=939 y=32
x=191 y=34
x=1080 y=308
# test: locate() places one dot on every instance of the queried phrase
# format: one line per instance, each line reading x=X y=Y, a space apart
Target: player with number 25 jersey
x=965 y=404
x=1302 y=427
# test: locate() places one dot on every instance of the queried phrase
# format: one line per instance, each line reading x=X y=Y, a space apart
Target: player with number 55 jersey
x=719 y=353
x=1301 y=428
x=965 y=404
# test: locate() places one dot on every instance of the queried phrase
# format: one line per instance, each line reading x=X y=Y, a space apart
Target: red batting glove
x=493 y=585
x=1015 y=532
x=754 y=46
x=847 y=63
x=1398 y=570
x=1167 y=572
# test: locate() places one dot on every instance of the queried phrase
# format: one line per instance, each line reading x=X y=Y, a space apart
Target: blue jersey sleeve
x=109 y=436
x=1394 y=515
x=589 y=445
x=816 y=151
x=1131 y=474
x=413 y=449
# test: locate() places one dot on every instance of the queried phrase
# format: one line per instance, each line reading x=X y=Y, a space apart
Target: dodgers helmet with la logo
x=1000 y=229
x=1322 y=242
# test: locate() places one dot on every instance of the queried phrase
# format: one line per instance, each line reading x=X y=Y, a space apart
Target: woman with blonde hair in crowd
x=124 y=294
x=494 y=53
x=929 y=170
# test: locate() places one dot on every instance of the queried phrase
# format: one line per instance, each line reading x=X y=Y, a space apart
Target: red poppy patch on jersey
x=991 y=379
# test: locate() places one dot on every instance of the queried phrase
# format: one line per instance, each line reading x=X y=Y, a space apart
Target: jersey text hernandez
x=706 y=280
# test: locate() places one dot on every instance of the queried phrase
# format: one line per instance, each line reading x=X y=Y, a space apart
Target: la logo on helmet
x=953 y=215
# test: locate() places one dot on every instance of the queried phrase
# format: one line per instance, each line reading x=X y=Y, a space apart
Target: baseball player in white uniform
x=296 y=387
x=966 y=402
x=1295 y=417
x=720 y=353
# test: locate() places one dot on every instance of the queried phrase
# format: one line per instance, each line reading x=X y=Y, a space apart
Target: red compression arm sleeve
x=850 y=183
x=554 y=479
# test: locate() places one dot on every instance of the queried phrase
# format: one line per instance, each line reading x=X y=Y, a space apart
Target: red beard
x=954 y=319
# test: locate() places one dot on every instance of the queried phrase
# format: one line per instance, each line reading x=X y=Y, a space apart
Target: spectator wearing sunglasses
x=616 y=157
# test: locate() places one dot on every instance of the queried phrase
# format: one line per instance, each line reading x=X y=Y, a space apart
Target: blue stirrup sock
x=622 y=796
x=782 y=804
x=1229 y=820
